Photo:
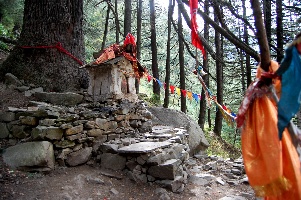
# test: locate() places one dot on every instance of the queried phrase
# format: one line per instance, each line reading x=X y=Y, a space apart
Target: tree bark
x=268 y=20
x=167 y=67
x=127 y=17
x=181 y=61
x=246 y=40
x=155 y=70
x=45 y=23
x=138 y=42
x=219 y=82
x=279 y=30
x=104 y=38
x=117 y=22
x=261 y=35
x=202 y=113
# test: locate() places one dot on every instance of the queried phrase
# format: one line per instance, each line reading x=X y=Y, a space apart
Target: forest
x=162 y=29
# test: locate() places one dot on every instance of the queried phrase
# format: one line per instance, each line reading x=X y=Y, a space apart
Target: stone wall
x=117 y=135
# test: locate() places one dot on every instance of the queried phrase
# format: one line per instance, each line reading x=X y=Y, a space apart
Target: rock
x=79 y=157
x=109 y=148
x=232 y=197
x=3 y=131
x=22 y=88
x=50 y=132
x=112 y=161
x=114 y=191
x=74 y=130
x=95 y=132
x=95 y=180
x=19 y=131
x=66 y=99
x=29 y=93
x=64 y=144
x=166 y=170
x=143 y=147
x=11 y=79
x=28 y=120
x=175 y=118
x=199 y=181
x=32 y=156
x=7 y=116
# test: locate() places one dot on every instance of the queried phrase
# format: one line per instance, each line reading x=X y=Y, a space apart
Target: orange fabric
x=272 y=165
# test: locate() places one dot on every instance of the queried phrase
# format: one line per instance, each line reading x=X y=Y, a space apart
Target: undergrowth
x=220 y=147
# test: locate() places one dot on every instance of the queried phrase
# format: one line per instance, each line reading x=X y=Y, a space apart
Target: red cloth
x=172 y=89
x=149 y=78
x=184 y=92
x=195 y=40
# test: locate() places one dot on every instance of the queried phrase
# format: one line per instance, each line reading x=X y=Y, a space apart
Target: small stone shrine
x=113 y=74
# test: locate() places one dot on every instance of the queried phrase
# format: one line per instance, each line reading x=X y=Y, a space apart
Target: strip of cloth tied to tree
x=270 y=141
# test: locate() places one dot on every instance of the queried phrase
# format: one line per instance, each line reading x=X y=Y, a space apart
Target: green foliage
x=11 y=17
x=219 y=146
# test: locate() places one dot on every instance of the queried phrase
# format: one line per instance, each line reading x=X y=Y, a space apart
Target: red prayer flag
x=149 y=78
x=195 y=40
x=184 y=92
x=172 y=89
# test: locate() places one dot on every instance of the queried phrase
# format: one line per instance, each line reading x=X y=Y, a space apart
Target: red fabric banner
x=195 y=40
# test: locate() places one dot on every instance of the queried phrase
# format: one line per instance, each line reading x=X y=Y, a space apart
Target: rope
x=59 y=47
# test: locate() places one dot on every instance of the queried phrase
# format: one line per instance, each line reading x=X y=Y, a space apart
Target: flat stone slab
x=143 y=147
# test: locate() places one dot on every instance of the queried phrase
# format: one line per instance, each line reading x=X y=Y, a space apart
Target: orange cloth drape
x=272 y=166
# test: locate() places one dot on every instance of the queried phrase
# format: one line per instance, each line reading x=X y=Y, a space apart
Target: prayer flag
x=195 y=96
x=178 y=91
x=195 y=40
x=172 y=89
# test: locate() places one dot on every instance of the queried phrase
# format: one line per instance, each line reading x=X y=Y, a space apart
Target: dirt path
x=86 y=182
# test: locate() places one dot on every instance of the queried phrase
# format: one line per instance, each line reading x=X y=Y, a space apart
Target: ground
x=87 y=182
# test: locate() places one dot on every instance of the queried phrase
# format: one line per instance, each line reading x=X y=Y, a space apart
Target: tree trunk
x=167 y=77
x=155 y=70
x=104 y=38
x=267 y=19
x=219 y=82
x=117 y=22
x=246 y=40
x=202 y=113
x=46 y=23
x=261 y=36
x=279 y=30
x=181 y=61
x=138 y=42
x=127 y=17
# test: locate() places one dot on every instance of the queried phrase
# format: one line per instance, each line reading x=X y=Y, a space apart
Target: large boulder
x=30 y=156
x=66 y=99
x=175 y=118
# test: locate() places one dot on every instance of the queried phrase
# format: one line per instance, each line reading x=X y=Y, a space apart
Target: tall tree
x=127 y=17
x=155 y=70
x=279 y=30
x=202 y=113
x=116 y=22
x=139 y=25
x=104 y=38
x=181 y=61
x=219 y=82
x=55 y=27
x=268 y=19
x=167 y=66
x=246 y=40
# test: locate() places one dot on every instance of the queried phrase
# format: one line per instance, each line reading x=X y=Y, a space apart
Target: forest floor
x=87 y=182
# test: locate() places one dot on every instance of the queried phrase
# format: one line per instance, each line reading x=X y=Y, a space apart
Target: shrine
x=113 y=74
